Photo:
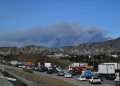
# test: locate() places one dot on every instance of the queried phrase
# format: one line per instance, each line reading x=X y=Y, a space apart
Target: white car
x=95 y=79
x=28 y=67
x=22 y=66
x=82 y=78
x=68 y=75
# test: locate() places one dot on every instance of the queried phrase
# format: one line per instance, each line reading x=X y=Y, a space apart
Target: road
x=73 y=80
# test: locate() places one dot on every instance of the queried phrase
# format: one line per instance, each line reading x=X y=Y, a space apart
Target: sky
x=57 y=23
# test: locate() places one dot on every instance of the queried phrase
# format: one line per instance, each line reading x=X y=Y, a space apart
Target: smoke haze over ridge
x=55 y=35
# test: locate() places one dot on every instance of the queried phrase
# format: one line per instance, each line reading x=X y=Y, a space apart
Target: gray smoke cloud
x=55 y=35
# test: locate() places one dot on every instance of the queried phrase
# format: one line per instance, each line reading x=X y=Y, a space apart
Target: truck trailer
x=104 y=69
x=117 y=65
x=47 y=65
x=29 y=63
x=13 y=63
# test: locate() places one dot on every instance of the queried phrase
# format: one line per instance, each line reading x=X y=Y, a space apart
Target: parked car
x=50 y=71
x=99 y=76
x=60 y=73
x=82 y=78
x=72 y=72
x=95 y=79
x=67 y=75
x=110 y=76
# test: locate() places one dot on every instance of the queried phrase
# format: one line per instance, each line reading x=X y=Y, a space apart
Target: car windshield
x=82 y=76
x=68 y=73
x=50 y=70
x=95 y=78
x=62 y=72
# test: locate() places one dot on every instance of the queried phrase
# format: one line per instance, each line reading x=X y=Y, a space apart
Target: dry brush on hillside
x=42 y=58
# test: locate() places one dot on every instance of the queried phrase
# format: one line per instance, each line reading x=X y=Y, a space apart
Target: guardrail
x=11 y=79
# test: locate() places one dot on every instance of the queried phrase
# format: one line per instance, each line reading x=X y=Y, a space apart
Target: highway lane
x=73 y=80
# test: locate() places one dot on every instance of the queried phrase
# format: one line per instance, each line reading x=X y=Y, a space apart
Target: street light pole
x=93 y=60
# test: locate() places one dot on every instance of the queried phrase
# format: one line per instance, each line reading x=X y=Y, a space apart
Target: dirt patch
x=40 y=78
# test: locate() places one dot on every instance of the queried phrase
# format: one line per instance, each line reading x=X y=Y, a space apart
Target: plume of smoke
x=55 y=35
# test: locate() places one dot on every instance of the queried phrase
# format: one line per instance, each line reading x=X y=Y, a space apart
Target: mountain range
x=109 y=47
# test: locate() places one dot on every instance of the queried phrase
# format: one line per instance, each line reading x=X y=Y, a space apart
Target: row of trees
x=90 y=58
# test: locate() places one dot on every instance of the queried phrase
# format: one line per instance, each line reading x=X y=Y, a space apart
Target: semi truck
x=29 y=63
x=117 y=65
x=79 y=64
x=104 y=69
x=77 y=69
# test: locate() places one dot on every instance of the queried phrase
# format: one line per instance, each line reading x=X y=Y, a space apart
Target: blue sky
x=57 y=23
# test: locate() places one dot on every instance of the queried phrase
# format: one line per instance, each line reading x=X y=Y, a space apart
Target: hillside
x=107 y=47
x=40 y=58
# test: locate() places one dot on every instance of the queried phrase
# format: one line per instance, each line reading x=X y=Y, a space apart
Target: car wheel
x=89 y=81
x=92 y=82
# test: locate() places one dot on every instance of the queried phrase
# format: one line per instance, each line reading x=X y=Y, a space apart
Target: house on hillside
x=58 y=55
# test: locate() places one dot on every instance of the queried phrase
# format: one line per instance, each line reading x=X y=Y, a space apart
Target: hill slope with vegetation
x=42 y=59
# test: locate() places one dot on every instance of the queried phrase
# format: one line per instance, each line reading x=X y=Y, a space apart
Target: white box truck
x=104 y=69
x=75 y=64
x=79 y=64
x=13 y=63
x=117 y=65
x=47 y=65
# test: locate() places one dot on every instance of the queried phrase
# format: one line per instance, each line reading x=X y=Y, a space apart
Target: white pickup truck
x=95 y=79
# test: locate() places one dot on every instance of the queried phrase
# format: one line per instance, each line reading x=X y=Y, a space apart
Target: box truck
x=29 y=63
x=104 y=69
x=47 y=65
x=13 y=63
x=86 y=73
x=79 y=65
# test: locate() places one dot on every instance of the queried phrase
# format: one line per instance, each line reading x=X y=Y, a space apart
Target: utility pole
x=93 y=62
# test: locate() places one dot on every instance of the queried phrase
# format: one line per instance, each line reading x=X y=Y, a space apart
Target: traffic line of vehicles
x=107 y=70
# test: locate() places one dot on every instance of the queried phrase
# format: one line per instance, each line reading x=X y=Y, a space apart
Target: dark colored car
x=110 y=76
x=60 y=73
x=41 y=70
x=72 y=72
x=45 y=69
x=99 y=76
x=50 y=71
x=55 y=71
